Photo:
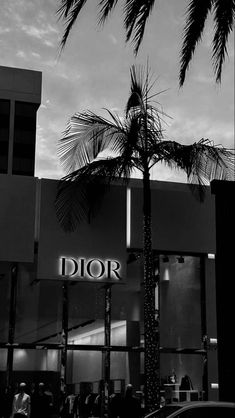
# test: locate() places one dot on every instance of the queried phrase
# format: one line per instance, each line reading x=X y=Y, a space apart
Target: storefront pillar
x=211 y=328
x=12 y=320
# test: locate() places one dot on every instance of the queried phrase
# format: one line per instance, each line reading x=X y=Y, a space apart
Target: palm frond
x=106 y=6
x=136 y=15
x=140 y=98
x=197 y=13
x=86 y=136
x=137 y=95
x=141 y=23
x=202 y=161
x=66 y=6
x=79 y=192
x=69 y=11
x=131 y=12
x=224 y=12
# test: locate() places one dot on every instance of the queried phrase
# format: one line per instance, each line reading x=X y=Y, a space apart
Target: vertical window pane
x=4 y=302
x=86 y=313
x=180 y=302
x=4 y=134
x=39 y=310
x=24 y=138
x=3 y=360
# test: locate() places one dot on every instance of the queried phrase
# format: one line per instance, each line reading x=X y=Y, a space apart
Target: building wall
x=225 y=231
x=20 y=97
x=17 y=218
x=180 y=221
x=39 y=304
x=20 y=84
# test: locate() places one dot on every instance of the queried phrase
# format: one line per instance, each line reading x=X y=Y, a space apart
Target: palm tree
x=136 y=13
x=95 y=150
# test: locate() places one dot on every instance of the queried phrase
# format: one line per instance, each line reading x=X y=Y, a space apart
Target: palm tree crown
x=96 y=150
x=137 y=12
x=94 y=147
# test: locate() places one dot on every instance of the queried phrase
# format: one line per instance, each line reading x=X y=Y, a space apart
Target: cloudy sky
x=93 y=73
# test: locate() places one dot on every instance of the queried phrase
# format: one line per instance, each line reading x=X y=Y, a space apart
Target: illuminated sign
x=92 y=269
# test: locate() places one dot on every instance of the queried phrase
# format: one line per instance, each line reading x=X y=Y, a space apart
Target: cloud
x=36 y=55
x=44 y=33
x=4 y=30
x=21 y=54
x=49 y=43
x=113 y=39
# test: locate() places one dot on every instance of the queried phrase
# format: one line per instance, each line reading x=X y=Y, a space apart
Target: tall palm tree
x=95 y=150
x=136 y=14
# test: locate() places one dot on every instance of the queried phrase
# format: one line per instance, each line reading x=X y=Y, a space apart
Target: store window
x=4 y=302
x=182 y=377
x=36 y=366
x=180 y=302
x=38 y=309
x=84 y=366
x=85 y=313
x=4 y=134
x=3 y=360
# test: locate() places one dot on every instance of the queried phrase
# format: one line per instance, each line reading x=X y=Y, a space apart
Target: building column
x=211 y=330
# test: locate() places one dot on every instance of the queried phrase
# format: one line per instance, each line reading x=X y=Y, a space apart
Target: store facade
x=55 y=286
x=95 y=257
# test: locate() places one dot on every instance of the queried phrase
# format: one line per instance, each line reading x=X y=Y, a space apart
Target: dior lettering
x=93 y=268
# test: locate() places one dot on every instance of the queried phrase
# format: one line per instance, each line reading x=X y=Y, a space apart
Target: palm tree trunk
x=151 y=335
x=107 y=343
x=64 y=335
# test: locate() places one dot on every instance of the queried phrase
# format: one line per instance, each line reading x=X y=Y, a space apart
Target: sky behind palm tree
x=93 y=72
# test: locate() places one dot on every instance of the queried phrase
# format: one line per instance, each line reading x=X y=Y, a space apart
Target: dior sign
x=92 y=269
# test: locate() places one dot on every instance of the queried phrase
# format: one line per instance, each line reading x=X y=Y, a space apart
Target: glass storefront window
x=180 y=302
x=86 y=313
x=84 y=368
x=3 y=359
x=27 y=360
x=39 y=309
x=35 y=366
x=182 y=376
x=4 y=302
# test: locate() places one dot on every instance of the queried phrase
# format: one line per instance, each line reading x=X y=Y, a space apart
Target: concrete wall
x=17 y=218
x=104 y=237
x=20 y=84
x=179 y=221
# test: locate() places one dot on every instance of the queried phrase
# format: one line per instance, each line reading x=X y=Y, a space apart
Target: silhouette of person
x=40 y=403
x=115 y=403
